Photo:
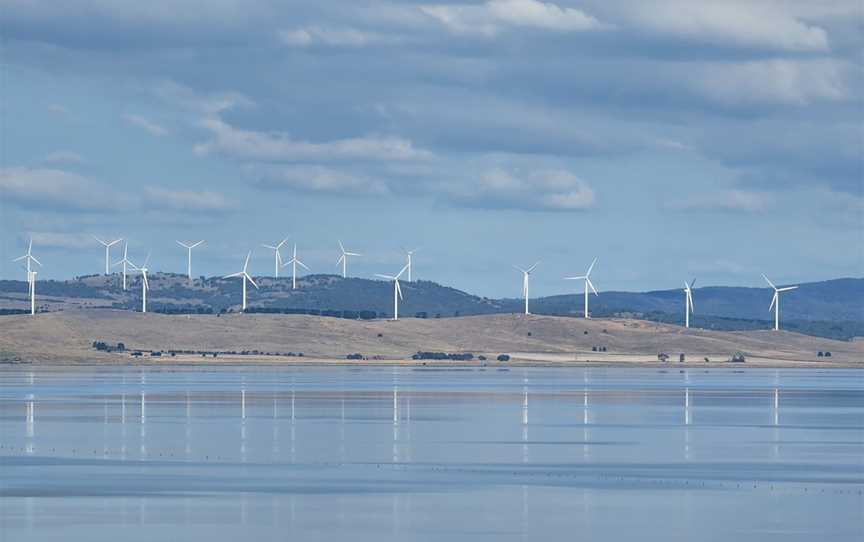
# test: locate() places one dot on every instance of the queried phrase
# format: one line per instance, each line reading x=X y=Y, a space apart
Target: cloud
x=776 y=81
x=735 y=23
x=309 y=36
x=207 y=104
x=185 y=200
x=550 y=190
x=59 y=110
x=279 y=146
x=147 y=125
x=55 y=189
x=63 y=158
x=493 y=16
x=316 y=178
x=65 y=241
x=737 y=201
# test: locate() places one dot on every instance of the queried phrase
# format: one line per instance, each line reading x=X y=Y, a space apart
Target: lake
x=379 y=453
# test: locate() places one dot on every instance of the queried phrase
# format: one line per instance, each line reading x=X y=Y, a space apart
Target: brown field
x=66 y=337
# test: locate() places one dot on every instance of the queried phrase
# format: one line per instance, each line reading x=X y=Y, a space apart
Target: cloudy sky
x=671 y=138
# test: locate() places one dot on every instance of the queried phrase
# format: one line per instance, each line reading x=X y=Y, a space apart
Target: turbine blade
x=100 y=240
x=591 y=267
x=353 y=254
x=146 y=283
x=19 y=258
x=516 y=267
x=342 y=257
x=247 y=277
x=341 y=247
x=768 y=281
x=146 y=260
x=303 y=265
x=533 y=267
x=591 y=284
x=693 y=282
x=184 y=245
x=573 y=278
x=232 y=275
x=245 y=265
x=786 y=289
x=388 y=277
x=271 y=247
x=282 y=242
x=399 y=274
x=40 y=263
x=773 y=300
x=201 y=242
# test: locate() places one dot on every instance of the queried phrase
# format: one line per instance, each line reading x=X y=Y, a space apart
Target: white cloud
x=736 y=23
x=279 y=146
x=331 y=36
x=146 y=124
x=202 y=103
x=494 y=15
x=551 y=189
x=727 y=200
x=61 y=158
x=316 y=178
x=59 y=110
x=67 y=241
x=779 y=81
x=185 y=200
x=57 y=189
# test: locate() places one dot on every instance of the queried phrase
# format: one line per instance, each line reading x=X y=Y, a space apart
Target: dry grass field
x=66 y=337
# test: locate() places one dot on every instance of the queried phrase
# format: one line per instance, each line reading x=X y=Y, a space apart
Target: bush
x=503 y=357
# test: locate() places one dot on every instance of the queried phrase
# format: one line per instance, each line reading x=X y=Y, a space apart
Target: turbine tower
x=107 y=245
x=343 y=259
x=688 y=301
x=31 y=279
x=275 y=249
x=294 y=262
x=145 y=284
x=775 y=301
x=587 y=278
x=526 y=273
x=244 y=276
x=397 y=290
x=125 y=261
x=189 y=247
x=410 y=255
x=28 y=259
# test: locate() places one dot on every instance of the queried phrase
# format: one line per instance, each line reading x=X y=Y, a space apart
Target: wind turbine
x=688 y=301
x=526 y=273
x=108 y=245
x=409 y=254
x=294 y=262
x=244 y=276
x=587 y=278
x=275 y=249
x=145 y=284
x=775 y=301
x=125 y=261
x=28 y=258
x=343 y=259
x=397 y=290
x=189 y=247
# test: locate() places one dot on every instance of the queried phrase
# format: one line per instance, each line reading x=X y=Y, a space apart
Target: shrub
x=503 y=357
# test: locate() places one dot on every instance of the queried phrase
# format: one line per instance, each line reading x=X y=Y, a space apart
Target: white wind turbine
x=108 y=245
x=189 y=247
x=244 y=276
x=125 y=261
x=409 y=254
x=775 y=301
x=28 y=259
x=278 y=255
x=343 y=259
x=294 y=262
x=587 y=278
x=397 y=290
x=688 y=301
x=145 y=284
x=526 y=273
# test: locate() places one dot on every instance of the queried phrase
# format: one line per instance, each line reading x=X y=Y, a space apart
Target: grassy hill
x=833 y=308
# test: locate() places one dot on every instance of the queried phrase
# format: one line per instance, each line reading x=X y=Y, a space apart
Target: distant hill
x=833 y=308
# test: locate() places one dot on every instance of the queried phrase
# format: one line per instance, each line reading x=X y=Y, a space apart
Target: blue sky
x=669 y=138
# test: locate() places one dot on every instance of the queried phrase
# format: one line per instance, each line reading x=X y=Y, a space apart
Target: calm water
x=400 y=454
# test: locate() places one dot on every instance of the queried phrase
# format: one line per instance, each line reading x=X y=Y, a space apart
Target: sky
x=671 y=139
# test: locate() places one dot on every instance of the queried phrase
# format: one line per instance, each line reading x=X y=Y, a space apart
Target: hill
x=833 y=308
x=69 y=336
